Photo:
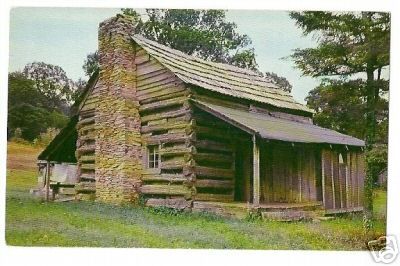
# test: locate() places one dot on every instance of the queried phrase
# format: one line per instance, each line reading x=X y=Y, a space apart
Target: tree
x=91 y=63
x=28 y=109
x=282 y=82
x=348 y=44
x=52 y=82
x=80 y=86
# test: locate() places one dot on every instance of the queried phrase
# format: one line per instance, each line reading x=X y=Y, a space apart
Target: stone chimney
x=118 y=152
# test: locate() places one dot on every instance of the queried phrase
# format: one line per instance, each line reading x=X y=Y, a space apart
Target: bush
x=377 y=159
x=17 y=136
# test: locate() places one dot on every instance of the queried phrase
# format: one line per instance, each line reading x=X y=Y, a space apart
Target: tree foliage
x=282 y=82
x=91 y=63
x=29 y=113
x=52 y=82
x=348 y=42
x=341 y=105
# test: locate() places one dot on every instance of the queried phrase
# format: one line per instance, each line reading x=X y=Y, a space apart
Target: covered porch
x=289 y=164
x=278 y=173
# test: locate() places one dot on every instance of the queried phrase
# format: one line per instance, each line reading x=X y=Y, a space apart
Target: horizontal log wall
x=214 y=156
x=166 y=121
x=85 y=152
x=234 y=102
x=343 y=179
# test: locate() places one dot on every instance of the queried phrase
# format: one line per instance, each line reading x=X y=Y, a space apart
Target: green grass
x=31 y=222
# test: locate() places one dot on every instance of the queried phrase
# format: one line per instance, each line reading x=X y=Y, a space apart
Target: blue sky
x=64 y=36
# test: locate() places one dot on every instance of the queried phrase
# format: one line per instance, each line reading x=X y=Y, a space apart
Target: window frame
x=154 y=163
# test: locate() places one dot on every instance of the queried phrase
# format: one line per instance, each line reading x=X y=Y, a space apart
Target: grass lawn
x=31 y=222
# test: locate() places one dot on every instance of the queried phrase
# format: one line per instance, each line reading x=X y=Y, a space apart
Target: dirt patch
x=22 y=156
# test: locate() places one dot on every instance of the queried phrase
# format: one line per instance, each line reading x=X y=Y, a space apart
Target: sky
x=64 y=36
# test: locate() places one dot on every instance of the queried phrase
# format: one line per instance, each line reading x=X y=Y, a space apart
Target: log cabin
x=162 y=128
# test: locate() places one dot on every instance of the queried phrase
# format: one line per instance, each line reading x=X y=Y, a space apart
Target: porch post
x=256 y=172
x=47 y=180
x=323 y=177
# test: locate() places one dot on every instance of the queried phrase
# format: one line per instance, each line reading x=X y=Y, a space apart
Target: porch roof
x=269 y=127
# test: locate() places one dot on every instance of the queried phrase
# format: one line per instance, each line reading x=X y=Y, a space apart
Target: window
x=153 y=156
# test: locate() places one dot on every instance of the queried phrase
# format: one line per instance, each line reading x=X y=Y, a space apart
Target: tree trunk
x=370 y=141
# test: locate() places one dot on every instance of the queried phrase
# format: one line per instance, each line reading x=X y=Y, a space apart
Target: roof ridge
x=228 y=66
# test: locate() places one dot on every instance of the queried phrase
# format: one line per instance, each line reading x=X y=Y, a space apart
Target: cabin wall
x=288 y=174
x=215 y=143
x=212 y=97
x=343 y=182
x=167 y=122
x=244 y=170
x=85 y=146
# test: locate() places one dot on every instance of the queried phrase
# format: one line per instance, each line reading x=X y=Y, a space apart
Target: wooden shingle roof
x=222 y=78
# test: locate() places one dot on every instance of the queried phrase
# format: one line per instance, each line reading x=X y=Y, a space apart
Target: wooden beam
x=300 y=175
x=213 y=145
x=323 y=177
x=214 y=172
x=85 y=187
x=163 y=104
x=256 y=172
x=213 y=157
x=214 y=197
x=348 y=202
x=87 y=158
x=210 y=183
x=171 y=178
x=163 y=126
x=333 y=180
x=47 y=180
x=166 y=190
